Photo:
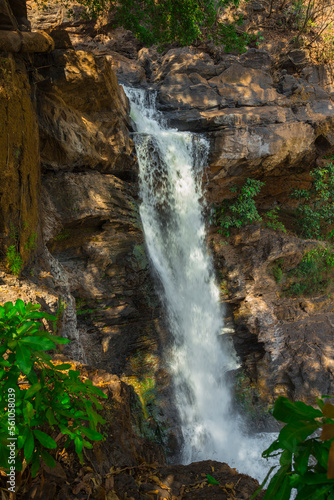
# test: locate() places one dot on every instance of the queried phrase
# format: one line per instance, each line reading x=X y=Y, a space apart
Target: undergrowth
x=313 y=275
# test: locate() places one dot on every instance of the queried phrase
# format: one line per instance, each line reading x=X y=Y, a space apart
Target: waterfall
x=170 y=173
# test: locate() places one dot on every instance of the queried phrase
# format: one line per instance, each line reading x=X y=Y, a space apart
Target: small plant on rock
x=13 y=260
x=315 y=211
x=314 y=274
x=241 y=210
x=272 y=220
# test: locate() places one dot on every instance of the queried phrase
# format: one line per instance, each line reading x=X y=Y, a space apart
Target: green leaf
x=212 y=480
x=87 y=444
x=293 y=433
x=25 y=327
x=302 y=455
x=275 y=446
x=288 y=411
x=38 y=343
x=29 y=445
x=313 y=493
x=35 y=464
x=314 y=478
x=23 y=358
x=48 y=459
x=32 y=390
x=63 y=366
x=279 y=487
x=60 y=340
x=286 y=458
x=91 y=434
x=21 y=438
x=78 y=441
x=28 y=412
x=51 y=417
x=20 y=306
x=44 y=439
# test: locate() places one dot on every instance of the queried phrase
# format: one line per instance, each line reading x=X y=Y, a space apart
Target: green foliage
x=315 y=211
x=64 y=235
x=31 y=243
x=212 y=480
x=168 y=21
x=313 y=275
x=272 y=221
x=49 y=398
x=13 y=260
x=241 y=210
x=306 y=463
x=277 y=270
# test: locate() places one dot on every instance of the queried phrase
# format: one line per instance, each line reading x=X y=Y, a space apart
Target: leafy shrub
x=306 y=463
x=240 y=210
x=313 y=275
x=272 y=221
x=316 y=205
x=167 y=21
x=277 y=270
x=13 y=260
x=49 y=398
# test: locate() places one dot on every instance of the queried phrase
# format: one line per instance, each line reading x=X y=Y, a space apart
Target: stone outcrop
x=284 y=343
x=19 y=159
x=266 y=119
x=14 y=41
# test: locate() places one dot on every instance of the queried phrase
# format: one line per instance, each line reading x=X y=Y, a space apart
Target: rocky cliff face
x=70 y=179
x=268 y=117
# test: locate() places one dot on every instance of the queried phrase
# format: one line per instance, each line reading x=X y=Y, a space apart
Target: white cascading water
x=171 y=169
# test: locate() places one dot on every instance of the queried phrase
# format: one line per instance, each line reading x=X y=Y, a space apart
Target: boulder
x=241 y=86
x=256 y=59
x=13 y=41
x=187 y=60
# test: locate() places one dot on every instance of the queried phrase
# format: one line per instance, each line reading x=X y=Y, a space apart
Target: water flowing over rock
x=174 y=229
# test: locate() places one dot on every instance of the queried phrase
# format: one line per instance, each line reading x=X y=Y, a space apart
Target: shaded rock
x=80 y=99
x=268 y=146
x=127 y=70
x=187 y=60
x=256 y=59
x=241 y=86
x=12 y=41
x=283 y=342
x=295 y=60
x=19 y=158
x=120 y=40
x=288 y=84
x=150 y=59
x=184 y=95
x=229 y=118
x=61 y=39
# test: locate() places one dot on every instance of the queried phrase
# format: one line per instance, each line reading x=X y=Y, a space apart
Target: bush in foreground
x=38 y=399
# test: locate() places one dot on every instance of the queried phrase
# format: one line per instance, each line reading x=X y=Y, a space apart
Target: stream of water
x=171 y=169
